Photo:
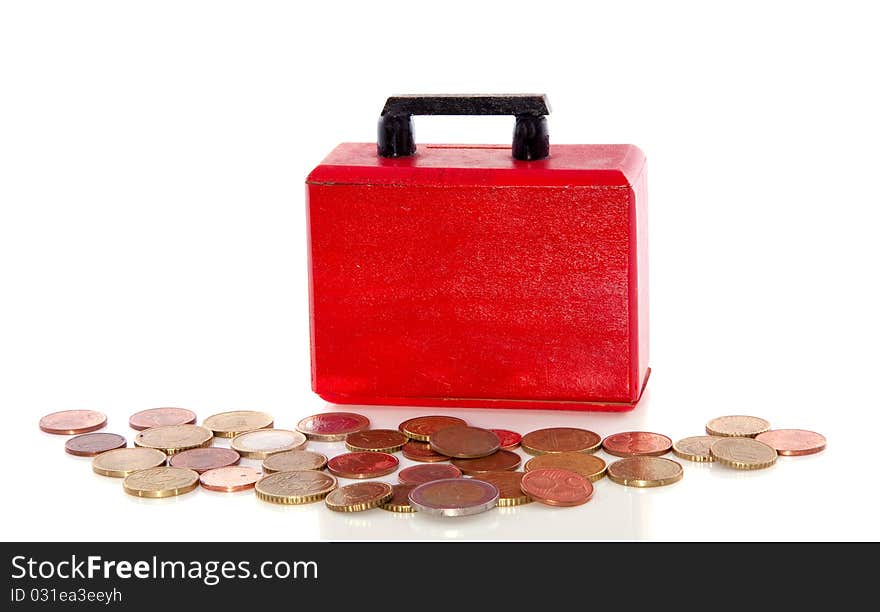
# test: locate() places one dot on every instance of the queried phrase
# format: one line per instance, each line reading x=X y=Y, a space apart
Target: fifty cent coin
x=91 y=444
x=171 y=439
x=420 y=474
x=496 y=462
x=556 y=487
x=71 y=422
x=231 y=478
x=737 y=426
x=743 y=453
x=293 y=488
x=204 y=459
x=465 y=442
x=332 y=426
x=561 y=440
x=590 y=467
x=230 y=424
x=634 y=443
x=421 y=428
x=359 y=496
x=793 y=441
x=645 y=472
x=157 y=417
x=261 y=443
x=295 y=460
x=160 y=482
x=365 y=464
x=121 y=462
x=454 y=497
x=376 y=440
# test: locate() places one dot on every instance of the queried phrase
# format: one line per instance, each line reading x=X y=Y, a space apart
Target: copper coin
x=420 y=474
x=261 y=443
x=365 y=464
x=377 y=440
x=421 y=428
x=422 y=451
x=590 y=467
x=204 y=459
x=743 y=453
x=737 y=426
x=91 y=444
x=509 y=439
x=332 y=426
x=645 y=472
x=70 y=422
x=359 y=496
x=465 y=442
x=637 y=443
x=294 y=488
x=121 y=462
x=295 y=460
x=399 y=501
x=509 y=485
x=556 y=487
x=793 y=442
x=157 y=417
x=172 y=439
x=230 y=424
x=230 y=478
x=561 y=440
x=695 y=448
x=496 y=462
x=454 y=497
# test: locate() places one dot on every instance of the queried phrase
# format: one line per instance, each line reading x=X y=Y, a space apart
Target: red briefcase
x=473 y=275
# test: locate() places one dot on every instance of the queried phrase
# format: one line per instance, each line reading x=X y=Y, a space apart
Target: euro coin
x=737 y=426
x=332 y=426
x=793 y=442
x=172 y=439
x=261 y=443
x=230 y=424
x=454 y=497
x=294 y=488
x=294 y=460
x=590 y=467
x=635 y=443
x=556 y=487
x=157 y=417
x=359 y=496
x=91 y=444
x=645 y=472
x=499 y=461
x=72 y=422
x=121 y=462
x=561 y=440
x=464 y=442
x=743 y=453
x=161 y=481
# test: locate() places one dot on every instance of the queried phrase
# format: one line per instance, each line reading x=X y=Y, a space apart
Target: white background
x=152 y=239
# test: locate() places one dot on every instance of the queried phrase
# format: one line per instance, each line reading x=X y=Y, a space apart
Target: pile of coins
x=462 y=470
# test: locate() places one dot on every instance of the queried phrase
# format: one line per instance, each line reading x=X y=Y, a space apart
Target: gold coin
x=171 y=439
x=375 y=440
x=645 y=471
x=162 y=481
x=590 y=467
x=359 y=496
x=295 y=460
x=743 y=453
x=561 y=440
x=261 y=443
x=695 y=448
x=230 y=424
x=509 y=485
x=295 y=487
x=737 y=426
x=121 y=462
x=399 y=501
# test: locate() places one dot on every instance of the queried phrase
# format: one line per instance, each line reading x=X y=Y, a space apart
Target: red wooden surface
x=462 y=277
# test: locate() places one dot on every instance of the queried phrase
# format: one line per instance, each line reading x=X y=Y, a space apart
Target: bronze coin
x=204 y=459
x=376 y=440
x=157 y=417
x=556 y=487
x=162 y=481
x=91 y=444
x=590 y=467
x=561 y=440
x=421 y=428
x=365 y=464
x=399 y=501
x=230 y=424
x=743 y=453
x=359 y=496
x=792 y=442
x=637 y=443
x=332 y=426
x=290 y=488
x=496 y=462
x=422 y=451
x=121 y=462
x=465 y=442
x=509 y=439
x=509 y=485
x=645 y=471
x=71 y=422
x=737 y=426
x=295 y=460
x=420 y=474
x=695 y=448
x=172 y=439
x=230 y=478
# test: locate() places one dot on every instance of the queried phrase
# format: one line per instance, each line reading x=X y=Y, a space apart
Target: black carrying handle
x=531 y=140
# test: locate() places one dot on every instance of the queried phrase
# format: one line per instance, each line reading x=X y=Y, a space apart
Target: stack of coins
x=457 y=470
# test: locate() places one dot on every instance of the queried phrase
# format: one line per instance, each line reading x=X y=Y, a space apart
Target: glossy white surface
x=152 y=240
